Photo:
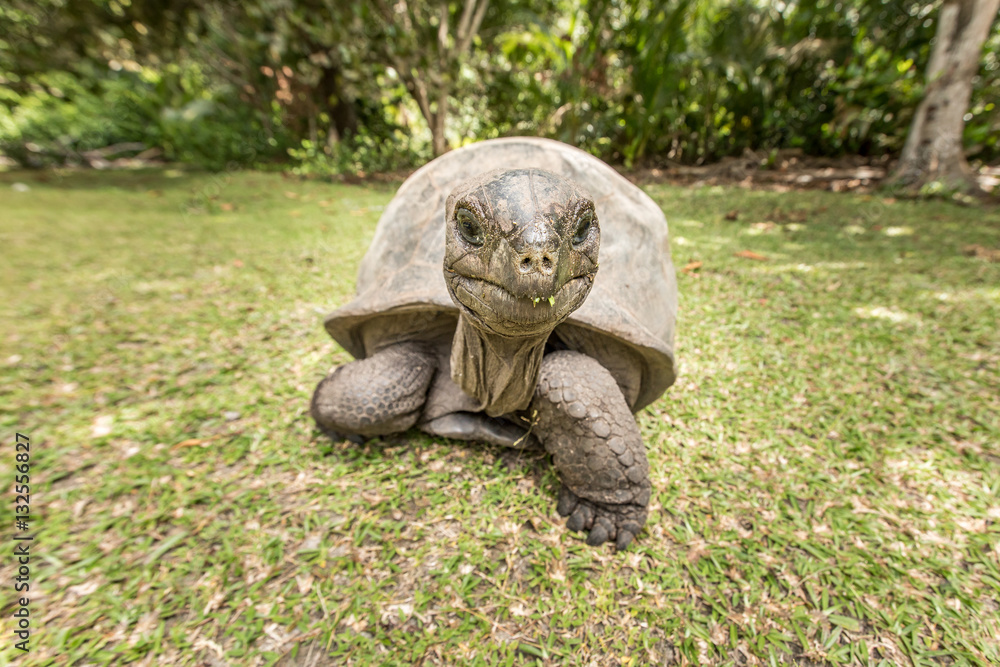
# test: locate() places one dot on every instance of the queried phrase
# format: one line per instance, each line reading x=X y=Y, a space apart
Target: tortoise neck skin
x=521 y=249
x=499 y=372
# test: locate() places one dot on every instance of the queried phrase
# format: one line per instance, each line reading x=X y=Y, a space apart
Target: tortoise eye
x=583 y=227
x=469 y=227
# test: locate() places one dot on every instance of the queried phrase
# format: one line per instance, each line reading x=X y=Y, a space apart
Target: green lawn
x=826 y=469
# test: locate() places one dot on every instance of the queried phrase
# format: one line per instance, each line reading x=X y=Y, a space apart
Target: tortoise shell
x=627 y=323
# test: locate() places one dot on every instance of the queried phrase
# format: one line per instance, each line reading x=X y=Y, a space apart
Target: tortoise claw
x=625 y=538
x=603 y=522
x=567 y=501
x=337 y=436
x=581 y=519
x=603 y=531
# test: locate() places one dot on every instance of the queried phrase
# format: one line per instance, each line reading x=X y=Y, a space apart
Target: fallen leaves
x=750 y=254
x=795 y=215
x=194 y=442
x=883 y=313
x=691 y=267
x=982 y=252
x=214 y=602
x=304 y=582
x=764 y=227
x=102 y=426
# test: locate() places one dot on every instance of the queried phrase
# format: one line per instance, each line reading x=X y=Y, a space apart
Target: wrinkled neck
x=499 y=372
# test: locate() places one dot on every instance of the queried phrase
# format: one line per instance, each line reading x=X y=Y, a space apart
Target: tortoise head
x=520 y=250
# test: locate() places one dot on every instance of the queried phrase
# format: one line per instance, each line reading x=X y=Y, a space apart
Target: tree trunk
x=435 y=119
x=933 y=149
x=438 y=140
x=333 y=100
x=431 y=80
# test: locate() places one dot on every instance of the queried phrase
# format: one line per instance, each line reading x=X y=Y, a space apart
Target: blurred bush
x=218 y=84
x=60 y=117
x=65 y=115
x=359 y=154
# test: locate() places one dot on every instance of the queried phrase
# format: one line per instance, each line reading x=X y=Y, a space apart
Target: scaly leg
x=382 y=394
x=585 y=423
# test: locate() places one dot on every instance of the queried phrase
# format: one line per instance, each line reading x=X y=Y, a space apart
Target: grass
x=826 y=467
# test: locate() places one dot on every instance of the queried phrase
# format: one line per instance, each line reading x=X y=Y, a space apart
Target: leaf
x=195 y=442
x=691 y=267
x=532 y=650
x=764 y=227
x=165 y=546
x=982 y=252
x=750 y=254
x=733 y=215
x=304 y=582
x=102 y=426
x=846 y=622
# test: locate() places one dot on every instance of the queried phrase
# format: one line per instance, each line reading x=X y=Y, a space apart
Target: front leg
x=585 y=423
x=382 y=394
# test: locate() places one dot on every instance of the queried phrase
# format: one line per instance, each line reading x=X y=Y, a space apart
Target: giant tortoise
x=504 y=345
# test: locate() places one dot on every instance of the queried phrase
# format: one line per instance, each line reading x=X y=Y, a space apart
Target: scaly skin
x=582 y=419
x=579 y=415
x=382 y=394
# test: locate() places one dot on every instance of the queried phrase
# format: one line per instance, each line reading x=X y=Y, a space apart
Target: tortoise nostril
x=537 y=262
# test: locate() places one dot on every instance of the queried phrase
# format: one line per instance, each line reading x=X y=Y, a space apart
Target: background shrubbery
x=63 y=115
x=335 y=87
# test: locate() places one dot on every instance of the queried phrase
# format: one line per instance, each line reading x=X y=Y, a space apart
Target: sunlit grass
x=826 y=465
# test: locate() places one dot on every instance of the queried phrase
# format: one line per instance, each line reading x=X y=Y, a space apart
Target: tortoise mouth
x=505 y=313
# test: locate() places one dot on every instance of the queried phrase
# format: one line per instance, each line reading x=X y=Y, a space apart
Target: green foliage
x=359 y=154
x=218 y=83
x=982 y=129
x=208 y=125
x=686 y=80
x=64 y=114
x=60 y=117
